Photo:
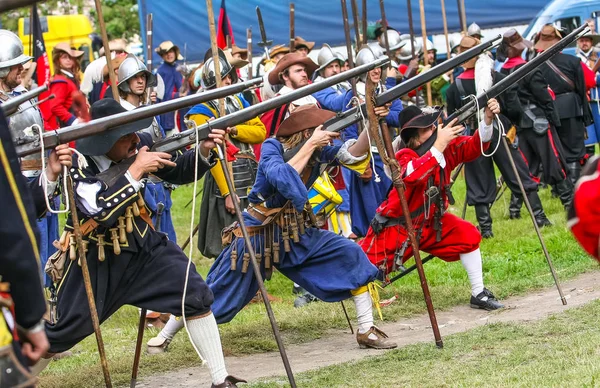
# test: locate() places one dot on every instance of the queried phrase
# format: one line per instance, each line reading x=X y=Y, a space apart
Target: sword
x=264 y=43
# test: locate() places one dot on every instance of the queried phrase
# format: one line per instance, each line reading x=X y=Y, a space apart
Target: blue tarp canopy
x=185 y=22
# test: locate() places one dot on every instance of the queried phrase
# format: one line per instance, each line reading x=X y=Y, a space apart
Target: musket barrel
x=7 y=5
x=470 y=108
x=186 y=138
x=351 y=116
x=72 y=133
x=10 y=107
x=415 y=82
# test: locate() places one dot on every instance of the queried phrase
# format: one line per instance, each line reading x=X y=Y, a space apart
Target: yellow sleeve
x=216 y=170
x=359 y=167
x=252 y=131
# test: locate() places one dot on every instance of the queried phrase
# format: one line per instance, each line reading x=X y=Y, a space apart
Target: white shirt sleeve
x=134 y=182
x=436 y=154
x=88 y=192
x=486 y=131
x=50 y=187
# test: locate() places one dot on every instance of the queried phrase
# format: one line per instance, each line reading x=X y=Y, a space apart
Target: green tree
x=121 y=18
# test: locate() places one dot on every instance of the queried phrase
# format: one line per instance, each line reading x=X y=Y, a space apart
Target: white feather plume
x=483 y=73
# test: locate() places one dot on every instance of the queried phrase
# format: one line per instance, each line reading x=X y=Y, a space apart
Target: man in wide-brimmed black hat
x=128 y=260
x=432 y=151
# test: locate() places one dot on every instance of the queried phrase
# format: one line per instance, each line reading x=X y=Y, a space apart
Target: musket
x=353 y=115
x=188 y=137
x=30 y=145
x=264 y=43
x=11 y=106
x=470 y=108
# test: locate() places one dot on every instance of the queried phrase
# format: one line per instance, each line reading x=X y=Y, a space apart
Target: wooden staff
x=349 y=51
x=111 y=72
x=356 y=23
x=364 y=22
x=386 y=151
x=217 y=65
x=411 y=31
x=249 y=48
x=292 y=27
x=425 y=48
x=87 y=281
x=462 y=16
x=149 y=50
x=384 y=28
x=443 y=2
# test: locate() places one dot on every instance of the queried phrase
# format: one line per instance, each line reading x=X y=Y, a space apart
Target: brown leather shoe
x=230 y=382
x=381 y=342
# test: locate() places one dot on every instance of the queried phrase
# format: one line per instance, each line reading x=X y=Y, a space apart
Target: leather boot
x=514 y=208
x=574 y=171
x=484 y=218
x=230 y=382
x=565 y=192
x=538 y=210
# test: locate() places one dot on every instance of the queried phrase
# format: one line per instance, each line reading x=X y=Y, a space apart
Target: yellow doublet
x=252 y=131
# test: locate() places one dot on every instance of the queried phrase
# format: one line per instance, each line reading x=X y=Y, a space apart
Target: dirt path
x=341 y=347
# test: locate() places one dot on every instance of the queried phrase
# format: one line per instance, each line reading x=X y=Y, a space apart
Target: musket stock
x=64 y=135
x=11 y=106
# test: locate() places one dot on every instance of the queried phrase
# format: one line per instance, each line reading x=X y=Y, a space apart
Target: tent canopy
x=185 y=22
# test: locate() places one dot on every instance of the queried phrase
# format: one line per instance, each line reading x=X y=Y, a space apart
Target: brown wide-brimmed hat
x=413 y=118
x=467 y=42
x=595 y=38
x=66 y=48
x=115 y=45
x=237 y=50
x=167 y=46
x=299 y=42
x=279 y=49
x=304 y=117
x=289 y=60
x=547 y=37
x=116 y=62
x=512 y=39
x=235 y=62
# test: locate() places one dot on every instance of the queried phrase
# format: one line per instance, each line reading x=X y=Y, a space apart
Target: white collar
x=307 y=100
x=102 y=162
x=126 y=104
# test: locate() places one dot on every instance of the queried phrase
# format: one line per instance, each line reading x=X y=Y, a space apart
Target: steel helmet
x=327 y=56
x=368 y=54
x=129 y=68
x=11 y=52
x=406 y=50
x=429 y=46
x=394 y=40
x=209 y=79
x=474 y=30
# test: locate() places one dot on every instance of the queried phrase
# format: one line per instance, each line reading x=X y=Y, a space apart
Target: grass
x=513 y=264
x=559 y=351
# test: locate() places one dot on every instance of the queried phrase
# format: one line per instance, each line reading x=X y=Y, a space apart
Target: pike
x=149 y=27
x=264 y=43
x=31 y=144
x=384 y=26
x=385 y=148
x=351 y=116
x=188 y=137
x=349 y=47
x=292 y=26
x=249 y=48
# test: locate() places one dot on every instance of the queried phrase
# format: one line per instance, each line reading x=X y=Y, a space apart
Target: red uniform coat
x=458 y=236
x=59 y=113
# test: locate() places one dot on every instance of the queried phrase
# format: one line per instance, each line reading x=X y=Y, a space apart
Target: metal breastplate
x=153 y=130
x=20 y=126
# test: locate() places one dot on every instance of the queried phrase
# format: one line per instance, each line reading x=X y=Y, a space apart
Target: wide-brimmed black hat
x=412 y=118
x=101 y=143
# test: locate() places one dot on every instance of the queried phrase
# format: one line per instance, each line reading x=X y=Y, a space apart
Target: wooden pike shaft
x=292 y=26
x=364 y=22
x=462 y=16
x=411 y=31
x=149 y=26
x=384 y=27
x=111 y=72
x=348 y=43
x=87 y=281
x=356 y=24
x=445 y=22
x=249 y=48
x=425 y=48
x=386 y=150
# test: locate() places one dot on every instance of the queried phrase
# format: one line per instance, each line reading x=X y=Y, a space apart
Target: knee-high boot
x=538 y=210
x=565 y=192
x=574 y=171
x=484 y=218
x=514 y=208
